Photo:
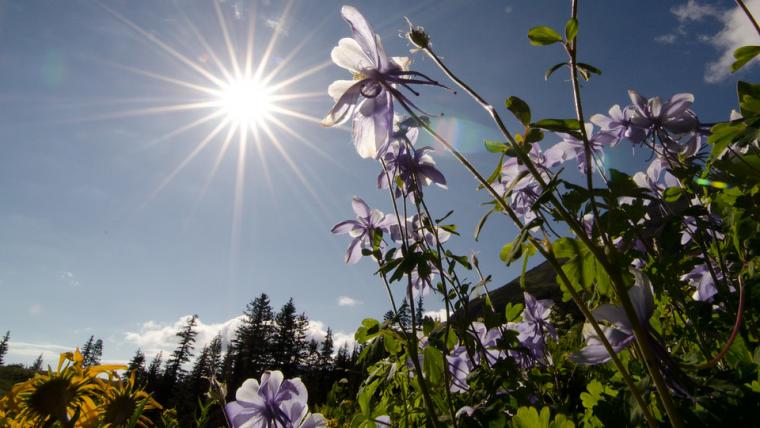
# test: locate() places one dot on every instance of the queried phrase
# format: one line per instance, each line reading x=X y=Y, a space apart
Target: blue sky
x=94 y=238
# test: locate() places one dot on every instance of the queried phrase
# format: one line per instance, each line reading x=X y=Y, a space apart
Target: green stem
x=642 y=336
x=749 y=15
x=549 y=256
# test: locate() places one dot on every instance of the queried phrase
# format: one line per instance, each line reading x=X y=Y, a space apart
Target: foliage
x=661 y=267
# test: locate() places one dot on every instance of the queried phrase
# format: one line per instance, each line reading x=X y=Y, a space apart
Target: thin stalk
x=613 y=273
x=639 y=330
x=548 y=254
x=429 y=409
x=749 y=15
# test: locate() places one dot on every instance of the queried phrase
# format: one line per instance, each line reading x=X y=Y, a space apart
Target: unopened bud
x=417 y=35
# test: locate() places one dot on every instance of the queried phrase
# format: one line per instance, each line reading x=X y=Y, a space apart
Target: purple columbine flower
x=674 y=116
x=362 y=229
x=522 y=188
x=620 y=332
x=702 y=280
x=414 y=167
x=619 y=125
x=460 y=365
x=416 y=232
x=572 y=148
x=368 y=98
x=656 y=171
x=276 y=402
x=533 y=331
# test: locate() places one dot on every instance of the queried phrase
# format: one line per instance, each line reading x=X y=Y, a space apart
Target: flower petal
x=372 y=124
x=249 y=392
x=350 y=55
x=362 y=31
x=354 y=252
x=344 y=227
x=343 y=108
x=360 y=207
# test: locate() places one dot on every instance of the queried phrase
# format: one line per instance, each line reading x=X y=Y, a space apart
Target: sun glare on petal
x=245 y=101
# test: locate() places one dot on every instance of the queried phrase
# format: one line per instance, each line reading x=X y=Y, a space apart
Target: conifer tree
x=95 y=355
x=419 y=310
x=153 y=377
x=87 y=349
x=326 y=351
x=215 y=356
x=4 y=347
x=252 y=343
x=183 y=352
x=288 y=350
x=37 y=364
x=137 y=366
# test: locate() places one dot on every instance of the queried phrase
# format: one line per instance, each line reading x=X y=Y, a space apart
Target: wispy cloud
x=693 y=11
x=666 y=39
x=25 y=352
x=68 y=278
x=736 y=31
x=348 y=301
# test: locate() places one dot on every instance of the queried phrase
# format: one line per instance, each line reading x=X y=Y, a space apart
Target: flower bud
x=417 y=35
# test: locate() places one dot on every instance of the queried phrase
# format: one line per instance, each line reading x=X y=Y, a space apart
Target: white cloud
x=439 y=315
x=737 y=31
x=277 y=25
x=348 y=301
x=318 y=331
x=154 y=337
x=693 y=11
x=25 y=353
x=666 y=39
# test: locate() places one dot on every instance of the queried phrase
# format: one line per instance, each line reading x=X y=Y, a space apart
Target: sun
x=245 y=102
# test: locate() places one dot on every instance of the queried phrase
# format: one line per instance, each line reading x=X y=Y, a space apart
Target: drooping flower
x=413 y=167
x=417 y=234
x=651 y=179
x=619 y=333
x=276 y=402
x=368 y=98
x=674 y=116
x=459 y=365
x=703 y=282
x=619 y=125
x=522 y=188
x=571 y=147
x=362 y=229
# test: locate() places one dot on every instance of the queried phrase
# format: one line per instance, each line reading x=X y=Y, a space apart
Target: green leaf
x=533 y=135
x=391 y=342
x=552 y=69
x=586 y=70
x=749 y=98
x=543 y=36
x=432 y=365
x=482 y=223
x=495 y=146
x=519 y=108
x=513 y=311
x=743 y=55
x=558 y=125
x=367 y=330
x=571 y=29
x=672 y=194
